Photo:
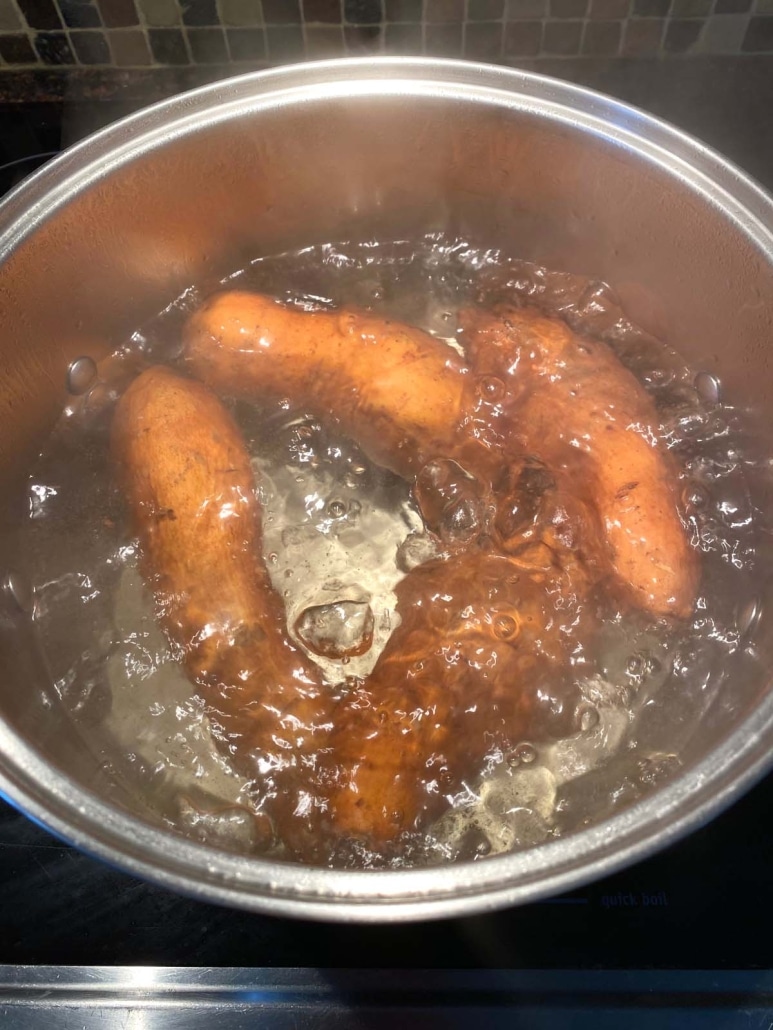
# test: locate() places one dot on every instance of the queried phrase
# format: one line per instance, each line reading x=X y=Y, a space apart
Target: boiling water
x=340 y=533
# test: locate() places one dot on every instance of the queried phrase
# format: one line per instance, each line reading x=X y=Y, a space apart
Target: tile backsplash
x=173 y=33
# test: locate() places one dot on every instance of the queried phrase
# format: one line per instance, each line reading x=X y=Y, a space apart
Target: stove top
x=613 y=954
x=704 y=904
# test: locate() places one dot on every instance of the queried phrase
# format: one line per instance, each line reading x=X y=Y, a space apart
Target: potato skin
x=536 y=405
x=190 y=487
x=458 y=680
x=572 y=403
x=407 y=399
x=382 y=760
x=401 y=394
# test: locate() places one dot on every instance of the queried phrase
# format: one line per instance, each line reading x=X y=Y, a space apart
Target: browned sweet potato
x=572 y=403
x=550 y=422
x=395 y=390
x=191 y=492
x=458 y=680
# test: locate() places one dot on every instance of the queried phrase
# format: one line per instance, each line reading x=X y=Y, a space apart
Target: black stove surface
x=703 y=905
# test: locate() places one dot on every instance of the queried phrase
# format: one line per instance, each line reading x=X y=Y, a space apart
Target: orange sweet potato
x=574 y=405
x=191 y=493
x=394 y=389
x=458 y=680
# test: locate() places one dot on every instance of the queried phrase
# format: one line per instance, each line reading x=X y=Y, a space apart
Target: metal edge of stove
x=148 y=998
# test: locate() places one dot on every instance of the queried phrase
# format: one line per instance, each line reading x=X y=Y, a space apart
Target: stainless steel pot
x=115 y=228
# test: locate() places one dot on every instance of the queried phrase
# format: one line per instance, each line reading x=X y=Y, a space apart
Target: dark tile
x=80 y=14
x=568 y=8
x=54 y=48
x=17 y=50
x=732 y=6
x=118 y=14
x=322 y=10
x=207 y=46
x=363 y=12
x=690 y=8
x=483 y=40
x=130 y=48
x=362 y=39
x=281 y=12
x=681 y=35
x=40 y=14
x=284 y=43
x=404 y=40
x=403 y=10
x=759 y=36
x=562 y=37
x=608 y=10
x=602 y=38
x=443 y=40
x=485 y=10
x=642 y=37
x=324 y=42
x=444 y=10
x=90 y=47
x=199 y=12
x=246 y=44
x=528 y=10
x=651 y=8
x=523 y=38
x=168 y=46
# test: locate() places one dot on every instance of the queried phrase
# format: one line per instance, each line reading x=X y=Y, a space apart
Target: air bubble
x=708 y=387
x=635 y=665
x=99 y=398
x=640 y=667
x=587 y=718
x=524 y=754
x=505 y=626
x=656 y=769
x=461 y=521
x=416 y=549
x=19 y=592
x=695 y=497
x=336 y=509
x=748 y=616
x=339 y=630
x=491 y=389
x=229 y=826
x=449 y=498
x=81 y=375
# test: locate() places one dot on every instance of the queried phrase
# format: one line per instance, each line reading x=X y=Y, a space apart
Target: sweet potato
x=190 y=487
x=395 y=390
x=459 y=678
x=571 y=403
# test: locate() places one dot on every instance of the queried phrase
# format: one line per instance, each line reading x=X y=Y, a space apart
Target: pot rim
x=701 y=791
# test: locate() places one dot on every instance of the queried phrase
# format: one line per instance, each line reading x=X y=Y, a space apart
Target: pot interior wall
x=205 y=200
